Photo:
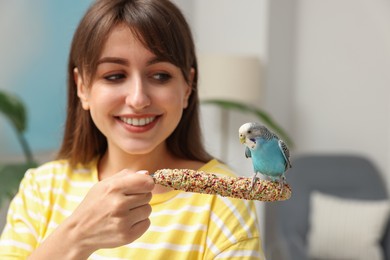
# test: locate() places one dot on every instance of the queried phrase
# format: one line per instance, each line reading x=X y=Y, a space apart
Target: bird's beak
x=242 y=139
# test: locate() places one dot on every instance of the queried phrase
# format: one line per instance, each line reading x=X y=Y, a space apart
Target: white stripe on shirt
x=163 y=245
x=238 y=253
x=194 y=209
x=186 y=228
x=239 y=217
x=226 y=231
x=17 y=244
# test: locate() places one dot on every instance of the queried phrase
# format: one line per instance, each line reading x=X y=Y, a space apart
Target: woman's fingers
x=139 y=214
x=129 y=183
x=123 y=203
x=137 y=230
x=132 y=225
x=137 y=200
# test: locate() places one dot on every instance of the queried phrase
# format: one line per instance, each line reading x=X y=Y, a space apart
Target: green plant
x=11 y=174
x=260 y=114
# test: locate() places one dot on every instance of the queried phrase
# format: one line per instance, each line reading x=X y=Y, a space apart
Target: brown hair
x=161 y=27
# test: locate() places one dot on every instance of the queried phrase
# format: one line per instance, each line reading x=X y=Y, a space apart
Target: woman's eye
x=114 y=77
x=162 y=77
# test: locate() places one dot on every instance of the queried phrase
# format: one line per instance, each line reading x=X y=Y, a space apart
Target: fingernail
x=142 y=172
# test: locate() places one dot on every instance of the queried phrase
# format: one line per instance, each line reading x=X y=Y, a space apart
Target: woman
x=132 y=109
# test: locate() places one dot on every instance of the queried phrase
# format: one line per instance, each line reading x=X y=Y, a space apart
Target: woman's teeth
x=137 y=121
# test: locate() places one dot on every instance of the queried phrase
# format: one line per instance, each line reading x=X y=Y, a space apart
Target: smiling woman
x=131 y=84
x=132 y=109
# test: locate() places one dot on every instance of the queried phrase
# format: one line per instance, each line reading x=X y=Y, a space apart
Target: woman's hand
x=114 y=212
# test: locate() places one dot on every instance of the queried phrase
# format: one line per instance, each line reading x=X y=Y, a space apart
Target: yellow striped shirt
x=183 y=225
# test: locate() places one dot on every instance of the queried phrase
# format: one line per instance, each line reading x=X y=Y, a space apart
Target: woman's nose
x=137 y=96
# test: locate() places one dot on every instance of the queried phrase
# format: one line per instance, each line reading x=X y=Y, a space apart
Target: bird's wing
x=286 y=153
x=248 y=153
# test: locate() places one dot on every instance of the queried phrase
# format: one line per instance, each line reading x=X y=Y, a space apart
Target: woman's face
x=135 y=99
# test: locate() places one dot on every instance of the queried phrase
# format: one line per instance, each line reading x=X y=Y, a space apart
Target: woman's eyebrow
x=115 y=60
x=126 y=62
x=155 y=60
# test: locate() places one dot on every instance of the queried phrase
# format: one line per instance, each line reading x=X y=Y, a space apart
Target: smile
x=137 y=121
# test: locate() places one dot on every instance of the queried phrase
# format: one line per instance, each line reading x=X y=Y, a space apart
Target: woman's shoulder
x=60 y=168
x=63 y=165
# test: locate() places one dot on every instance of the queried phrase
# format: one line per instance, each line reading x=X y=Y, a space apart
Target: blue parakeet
x=270 y=155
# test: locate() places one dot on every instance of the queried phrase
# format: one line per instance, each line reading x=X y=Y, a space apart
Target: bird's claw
x=254 y=180
x=282 y=182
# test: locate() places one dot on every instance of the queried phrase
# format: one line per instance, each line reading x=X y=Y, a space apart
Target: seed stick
x=210 y=183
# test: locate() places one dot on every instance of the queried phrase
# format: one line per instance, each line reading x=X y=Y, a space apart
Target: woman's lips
x=138 y=124
x=136 y=121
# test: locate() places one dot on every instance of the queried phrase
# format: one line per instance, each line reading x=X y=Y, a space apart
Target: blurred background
x=325 y=72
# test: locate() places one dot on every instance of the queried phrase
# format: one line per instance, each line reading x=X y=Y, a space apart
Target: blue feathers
x=270 y=155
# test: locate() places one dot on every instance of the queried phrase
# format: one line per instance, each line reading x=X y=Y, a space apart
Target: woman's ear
x=82 y=90
x=189 y=87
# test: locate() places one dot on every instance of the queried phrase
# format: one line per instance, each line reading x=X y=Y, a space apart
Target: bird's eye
x=249 y=132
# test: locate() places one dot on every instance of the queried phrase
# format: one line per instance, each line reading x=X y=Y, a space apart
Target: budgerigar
x=270 y=155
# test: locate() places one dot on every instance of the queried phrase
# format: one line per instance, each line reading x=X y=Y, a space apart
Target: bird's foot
x=254 y=180
x=282 y=182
